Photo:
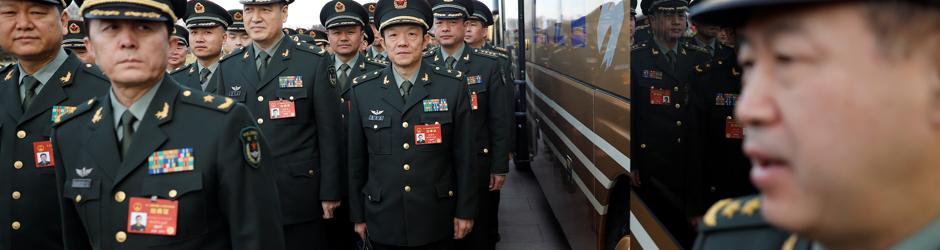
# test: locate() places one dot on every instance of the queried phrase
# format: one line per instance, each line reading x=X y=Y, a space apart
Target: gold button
x=406 y=146
x=729 y=117
x=678 y=106
x=486 y=151
x=173 y=193
x=342 y=116
x=21 y=134
x=679 y=140
x=260 y=121
x=437 y=123
x=16 y=195
x=18 y=164
x=119 y=196
x=187 y=93
x=407 y=188
x=342 y=100
x=676 y=89
x=120 y=236
x=78 y=198
x=407 y=167
x=450 y=193
x=375 y=126
x=311 y=172
x=404 y=124
x=260 y=98
x=679 y=123
x=643 y=145
x=291 y=98
x=16 y=225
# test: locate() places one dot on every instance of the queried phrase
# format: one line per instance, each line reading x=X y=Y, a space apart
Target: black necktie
x=343 y=76
x=31 y=84
x=262 y=63
x=127 y=123
x=405 y=89
x=204 y=75
x=672 y=59
x=449 y=62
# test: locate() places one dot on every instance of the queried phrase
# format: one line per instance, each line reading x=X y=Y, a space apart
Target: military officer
x=643 y=33
x=820 y=105
x=46 y=81
x=406 y=194
x=286 y=86
x=490 y=104
x=207 y=22
x=236 y=37
x=179 y=52
x=346 y=25
x=664 y=72
x=375 y=50
x=143 y=149
x=320 y=40
x=725 y=168
x=75 y=41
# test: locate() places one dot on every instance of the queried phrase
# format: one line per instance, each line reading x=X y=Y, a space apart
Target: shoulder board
x=638 y=46
x=84 y=107
x=206 y=100
x=365 y=77
x=645 y=26
x=234 y=53
x=486 y=53
x=95 y=71
x=382 y=63
x=429 y=53
x=734 y=213
x=181 y=69
x=456 y=74
x=312 y=49
x=695 y=47
x=501 y=49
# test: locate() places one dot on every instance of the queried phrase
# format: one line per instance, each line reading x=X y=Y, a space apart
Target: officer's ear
x=63 y=20
x=284 y=10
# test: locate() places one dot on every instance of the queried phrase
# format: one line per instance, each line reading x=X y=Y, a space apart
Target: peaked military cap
x=482 y=12
x=289 y=31
x=451 y=9
x=74 y=39
x=633 y=7
x=181 y=33
x=205 y=13
x=63 y=3
x=393 y=12
x=260 y=2
x=338 y=13
x=304 y=38
x=301 y=31
x=370 y=7
x=238 y=20
x=319 y=37
x=141 y=10
x=733 y=13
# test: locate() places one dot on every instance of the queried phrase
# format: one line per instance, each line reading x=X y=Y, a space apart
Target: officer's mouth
x=767 y=168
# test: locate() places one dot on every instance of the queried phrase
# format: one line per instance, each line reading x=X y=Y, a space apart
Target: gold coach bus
x=573 y=105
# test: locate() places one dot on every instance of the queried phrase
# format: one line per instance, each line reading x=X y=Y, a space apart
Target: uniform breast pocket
x=431 y=134
x=187 y=189
x=379 y=135
x=84 y=194
x=291 y=98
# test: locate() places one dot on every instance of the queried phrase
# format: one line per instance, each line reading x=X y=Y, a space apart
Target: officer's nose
x=756 y=106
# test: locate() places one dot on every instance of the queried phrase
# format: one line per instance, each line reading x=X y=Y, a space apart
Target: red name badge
x=733 y=130
x=428 y=134
x=152 y=216
x=280 y=109
x=474 y=105
x=42 y=150
x=660 y=96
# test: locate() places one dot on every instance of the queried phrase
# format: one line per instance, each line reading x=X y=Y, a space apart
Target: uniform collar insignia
x=9 y=75
x=425 y=77
x=162 y=114
x=286 y=53
x=66 y=78
x=97 y=118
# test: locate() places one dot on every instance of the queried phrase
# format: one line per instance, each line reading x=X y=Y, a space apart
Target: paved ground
x=526 y=221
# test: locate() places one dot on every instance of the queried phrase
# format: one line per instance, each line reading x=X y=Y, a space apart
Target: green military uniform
x=338 y=14
x=410 y=154
x=202 y=14
x=304 y=142
x=491 y=114
x=29 y=203
x=738 y=224
x=202 y=185
x=663 y=127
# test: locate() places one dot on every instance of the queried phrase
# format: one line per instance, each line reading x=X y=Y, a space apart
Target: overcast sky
x=303 y=13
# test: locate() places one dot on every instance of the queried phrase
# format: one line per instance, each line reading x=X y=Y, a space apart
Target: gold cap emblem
x=401 y=4
x=199 y=8
x=237 y=16
x=74 y=29
x=340 y=7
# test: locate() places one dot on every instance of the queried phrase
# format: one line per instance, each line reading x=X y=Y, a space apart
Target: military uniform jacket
x=507 y=71
x=726 y=169
x=189 y=76
x=29 y=204
x=662 y=120
x=226 y=201
x=738 y=224
x=305 y=146
x=363 y=65
x=409 y=194
x=491 y=116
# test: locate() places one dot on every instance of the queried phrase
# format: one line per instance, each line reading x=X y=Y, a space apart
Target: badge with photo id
x=733 y=130
x=281 y=109
x=152 y=216
x=43 y=153
x=428 y=134
x=660 y=96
